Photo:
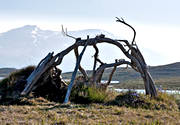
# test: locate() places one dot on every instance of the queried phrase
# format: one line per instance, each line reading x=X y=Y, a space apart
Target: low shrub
x=135 y=100
x=11 y=86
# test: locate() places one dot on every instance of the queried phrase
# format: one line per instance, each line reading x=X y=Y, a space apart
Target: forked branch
x=122 y=21
x=66 y=34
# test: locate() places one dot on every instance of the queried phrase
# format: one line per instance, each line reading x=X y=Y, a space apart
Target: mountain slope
x=29 y=44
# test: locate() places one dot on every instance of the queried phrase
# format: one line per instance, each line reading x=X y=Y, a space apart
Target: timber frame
x=130 y=50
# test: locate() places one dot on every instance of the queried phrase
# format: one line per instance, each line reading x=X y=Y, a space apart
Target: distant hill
x=165 y=76
x=4 y=72
x=122 y=74
x=169 y=70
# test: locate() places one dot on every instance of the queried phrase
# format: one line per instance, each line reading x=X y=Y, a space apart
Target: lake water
x=143 y=91
x=102 y=81
x=105 y=81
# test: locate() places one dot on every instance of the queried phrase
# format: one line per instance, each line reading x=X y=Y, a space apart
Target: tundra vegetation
x=39 y=95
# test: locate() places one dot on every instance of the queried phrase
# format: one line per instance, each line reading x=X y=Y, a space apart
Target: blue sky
x=157 y=22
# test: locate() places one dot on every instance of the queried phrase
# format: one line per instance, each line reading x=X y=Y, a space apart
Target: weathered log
x=36 y=74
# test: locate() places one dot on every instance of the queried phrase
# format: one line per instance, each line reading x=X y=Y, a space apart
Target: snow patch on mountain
x=34 y=35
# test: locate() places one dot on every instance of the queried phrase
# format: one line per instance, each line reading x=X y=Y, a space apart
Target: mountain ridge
x=27 y=45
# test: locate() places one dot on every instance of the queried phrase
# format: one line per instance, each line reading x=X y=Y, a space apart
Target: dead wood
x=130 y=50
x=81 y=69
x=111 y=75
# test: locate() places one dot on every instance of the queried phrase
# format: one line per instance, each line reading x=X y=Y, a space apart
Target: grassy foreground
x=95 y=106
x=50 y=113
x=41 y=111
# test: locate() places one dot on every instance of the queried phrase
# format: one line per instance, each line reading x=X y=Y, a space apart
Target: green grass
x=89 y=94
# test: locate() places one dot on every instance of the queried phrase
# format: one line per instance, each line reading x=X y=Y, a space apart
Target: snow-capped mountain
x=27 y=45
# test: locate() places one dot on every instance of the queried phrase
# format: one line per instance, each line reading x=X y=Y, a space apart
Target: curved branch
x=122 y=21
x=104 y=66
x=98 y=60
x=94 y=41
